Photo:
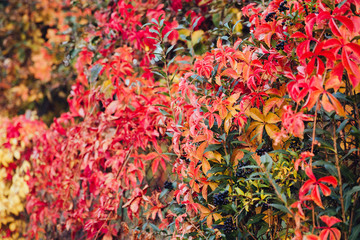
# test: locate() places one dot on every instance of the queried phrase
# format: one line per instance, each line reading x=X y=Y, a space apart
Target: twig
x=313 y=134
x=125 y=162
x=340 y=180
x=243 y=226
x=352 y=213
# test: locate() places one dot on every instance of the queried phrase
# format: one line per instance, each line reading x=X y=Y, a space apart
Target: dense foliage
x=190 y=120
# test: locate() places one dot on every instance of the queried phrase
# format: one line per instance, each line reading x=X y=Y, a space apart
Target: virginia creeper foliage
x=200 y=120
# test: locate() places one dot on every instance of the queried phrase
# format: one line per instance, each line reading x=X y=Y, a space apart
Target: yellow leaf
x=256 y=115
x=233 y=98
x=183 y=33
x=252 y=126
x=227 y=123
x=272 y=118
x=259 y=132
x=271 y=129
x=196 y=36
x=213 y=185
x=217 y=216
x=213 y=156
x=107 y=88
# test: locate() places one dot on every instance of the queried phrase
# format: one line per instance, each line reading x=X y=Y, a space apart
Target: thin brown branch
x=337 y=163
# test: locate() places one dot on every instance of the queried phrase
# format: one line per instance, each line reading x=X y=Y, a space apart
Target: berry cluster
x=283 y=7
x=271 y=16
x=280 y=45
x=229 y=225
x=220 y=198
x=243 y=172
x=264 y=150
x=168 y=185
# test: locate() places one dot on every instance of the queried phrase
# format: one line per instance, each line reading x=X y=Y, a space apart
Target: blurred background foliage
x=36 y=39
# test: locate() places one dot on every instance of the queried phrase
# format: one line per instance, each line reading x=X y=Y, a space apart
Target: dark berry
x=220 y=198
x=280 y=45
x=243 y=172
x=263 y=150
x=282 y=6
x=168 y=185
x=270 y=17
x=229 y=225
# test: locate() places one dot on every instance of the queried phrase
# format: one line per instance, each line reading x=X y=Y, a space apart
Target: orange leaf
x=205 y=165
x=337 y=105
x=230 y=73
x=326 y=103
x=200 y=150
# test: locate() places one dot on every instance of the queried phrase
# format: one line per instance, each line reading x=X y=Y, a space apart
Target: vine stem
x=248 y=231
x=313 y=217
x=340 y=180
x=314 y=132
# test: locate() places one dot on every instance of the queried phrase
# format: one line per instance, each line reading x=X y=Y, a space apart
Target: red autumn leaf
x=314 y=185
x=329 y=232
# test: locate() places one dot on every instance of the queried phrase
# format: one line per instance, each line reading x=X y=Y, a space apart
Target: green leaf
x=162 y=22
x=168 y=33
x=330 y=167
x=351 y=151
x=146 y=24
x=152 y=30
x=154 y=227
x=355 y=231
x=196 y=22
x=218 y=177
x=212 y=147
x=349 y=175
x=325 y=144
x=262 y=230
x=155 y=21
x=163 y=112
x=280 y=207
x=267 y=161
x=341 y=4
x=233 y=28
x=257 y=218
x=169 y=49
x=159 y=73
x=342 y=125
x=165 y=191
x=94 y=72
x=158 y=40
x=216 y=169
x=352 y=191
